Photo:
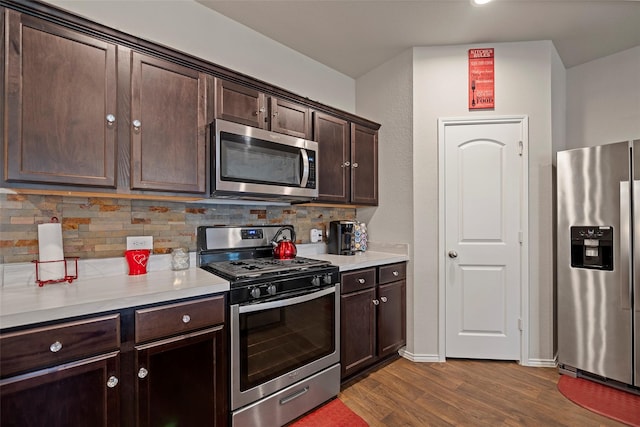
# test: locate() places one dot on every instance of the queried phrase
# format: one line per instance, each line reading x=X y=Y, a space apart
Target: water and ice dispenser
x=592 y=247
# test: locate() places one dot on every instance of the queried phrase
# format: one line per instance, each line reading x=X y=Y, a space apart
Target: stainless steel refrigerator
x=598 y=293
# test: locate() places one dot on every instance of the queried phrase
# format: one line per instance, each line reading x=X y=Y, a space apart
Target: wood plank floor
x=464 y=393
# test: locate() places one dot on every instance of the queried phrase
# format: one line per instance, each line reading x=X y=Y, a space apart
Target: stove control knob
x=327 y=279
x=255 y=292
x=271 y=289
x=315 y=281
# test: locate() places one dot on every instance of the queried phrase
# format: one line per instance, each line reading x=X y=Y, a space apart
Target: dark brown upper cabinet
x=89 y=108
x=242 y=104
x=290 y=118
x=348 y=161
x=60 y=105
x=168 y=126
x=364 y=165
x=334 y=172
x=81 y=110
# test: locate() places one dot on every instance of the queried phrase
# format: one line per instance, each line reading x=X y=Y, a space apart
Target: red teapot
x=284 y=248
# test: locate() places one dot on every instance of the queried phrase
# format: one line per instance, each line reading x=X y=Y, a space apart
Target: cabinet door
x=168 y=126
x=391 y=317
x=290 y=118
x=60 y=105
x=332 y=135
x=357 y=330
x=182 y=381
x=364 y=165
x=240 y=104
x=84 y=393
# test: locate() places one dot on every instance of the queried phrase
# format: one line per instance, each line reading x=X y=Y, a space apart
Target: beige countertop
x=25 y=303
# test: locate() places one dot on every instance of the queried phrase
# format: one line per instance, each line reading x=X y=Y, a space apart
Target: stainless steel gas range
x=284 y=328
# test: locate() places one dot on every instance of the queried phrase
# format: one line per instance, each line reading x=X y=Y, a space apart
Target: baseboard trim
x=419 y=357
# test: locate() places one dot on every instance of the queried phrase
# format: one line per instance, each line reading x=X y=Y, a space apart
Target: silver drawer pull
x=55 y=347
x=383 y=299
x=395 y=273
x=112 y=381
x=376 y=302
x=361 y=281
x=293 y=396
x=142 y=373
x=186 y=318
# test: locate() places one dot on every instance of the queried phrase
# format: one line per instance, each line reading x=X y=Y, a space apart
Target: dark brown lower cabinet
x=178 y=381
x=358 y=323
x=82 y=393
x=372 y=315
x=161 y=365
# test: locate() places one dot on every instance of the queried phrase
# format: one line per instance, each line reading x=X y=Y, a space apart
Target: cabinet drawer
x=359 y=279
x=173 y=319
x=52 y=345
x=392 y=272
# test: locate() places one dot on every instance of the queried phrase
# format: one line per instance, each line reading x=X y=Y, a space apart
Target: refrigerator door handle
x=625 y=246
x=635 y=247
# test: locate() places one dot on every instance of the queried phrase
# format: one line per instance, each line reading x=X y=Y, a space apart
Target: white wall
x=604 y=100
x=439 y=89
x=197 y=30
x=384 y=95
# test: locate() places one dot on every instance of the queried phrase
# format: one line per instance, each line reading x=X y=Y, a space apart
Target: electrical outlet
x=316 y=235
x=139 y=242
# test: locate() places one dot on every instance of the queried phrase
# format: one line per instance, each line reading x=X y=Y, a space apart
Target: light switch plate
x=139 y=242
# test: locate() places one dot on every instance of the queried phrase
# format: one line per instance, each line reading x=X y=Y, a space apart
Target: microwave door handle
x=305 y=168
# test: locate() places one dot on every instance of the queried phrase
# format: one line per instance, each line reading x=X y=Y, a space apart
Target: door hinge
x=520 y=237
x=520 y=147
x=520 y=325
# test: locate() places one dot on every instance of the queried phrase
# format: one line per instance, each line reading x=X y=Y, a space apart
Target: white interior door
x=483 y=173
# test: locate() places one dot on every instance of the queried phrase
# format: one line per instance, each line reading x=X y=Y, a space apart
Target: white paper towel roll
x=50 y=249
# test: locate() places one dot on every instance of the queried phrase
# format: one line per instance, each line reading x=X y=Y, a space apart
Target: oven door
x=278 y=343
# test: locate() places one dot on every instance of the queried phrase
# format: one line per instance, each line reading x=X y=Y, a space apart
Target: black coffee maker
x=341 y=237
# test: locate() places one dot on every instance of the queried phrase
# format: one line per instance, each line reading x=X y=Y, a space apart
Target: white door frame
x=523 y=120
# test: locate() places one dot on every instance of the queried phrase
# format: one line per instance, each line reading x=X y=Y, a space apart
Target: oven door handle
x=286 y=302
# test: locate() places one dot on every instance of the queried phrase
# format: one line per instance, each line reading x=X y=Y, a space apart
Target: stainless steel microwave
x=255 y=164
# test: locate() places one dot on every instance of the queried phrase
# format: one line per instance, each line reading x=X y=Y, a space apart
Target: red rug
x=332 y=414
x=601 y=399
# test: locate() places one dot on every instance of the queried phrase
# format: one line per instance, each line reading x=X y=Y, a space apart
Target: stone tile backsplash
x=98 y=227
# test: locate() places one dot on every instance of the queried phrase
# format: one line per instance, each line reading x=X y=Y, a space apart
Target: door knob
x=453 y=254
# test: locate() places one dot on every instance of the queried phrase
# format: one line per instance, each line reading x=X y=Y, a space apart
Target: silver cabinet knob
x=395 y=273
x=186 y=318
x=376 y=302
x=55 y=347
x=111 y=119
x=142 y=373
x=383 y=299
x=453 y=254
x=355 y=165
x=361 y=281
x=112 y=381
x=345 y=165
x=136 y=124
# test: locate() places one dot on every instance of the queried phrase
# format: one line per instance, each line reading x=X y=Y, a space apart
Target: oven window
x=246 y=159
x=276 y=341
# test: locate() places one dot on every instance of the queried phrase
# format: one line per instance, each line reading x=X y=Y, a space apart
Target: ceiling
x=355 y=36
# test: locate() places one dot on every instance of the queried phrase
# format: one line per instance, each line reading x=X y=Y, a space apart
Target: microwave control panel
x=311 y=182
